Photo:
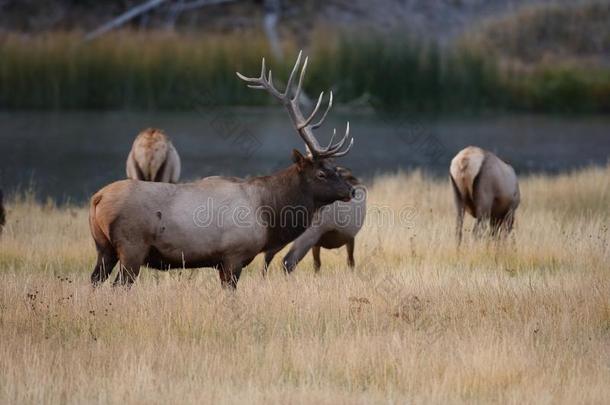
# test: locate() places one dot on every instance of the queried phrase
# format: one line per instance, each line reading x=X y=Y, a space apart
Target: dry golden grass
x=417 y=322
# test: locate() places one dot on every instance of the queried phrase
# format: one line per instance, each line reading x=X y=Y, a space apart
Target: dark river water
x=69 y=155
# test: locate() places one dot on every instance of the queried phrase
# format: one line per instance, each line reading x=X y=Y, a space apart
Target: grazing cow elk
x=153 y=158
x=218 y=222
x=486 y=187
x=2 y=213
x=333 y=226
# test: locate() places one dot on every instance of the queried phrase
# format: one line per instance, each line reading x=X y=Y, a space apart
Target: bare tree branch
x=123 y=18
x=191 y=5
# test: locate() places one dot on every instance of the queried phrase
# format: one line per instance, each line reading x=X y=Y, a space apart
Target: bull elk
x=153 y=158
x=333 y=226
x=219 y=222
x=487 y=188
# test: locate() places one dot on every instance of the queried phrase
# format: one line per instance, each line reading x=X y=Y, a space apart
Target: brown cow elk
x=487 y=188
x=153 y=158
x=218 y=222
x=334 y=226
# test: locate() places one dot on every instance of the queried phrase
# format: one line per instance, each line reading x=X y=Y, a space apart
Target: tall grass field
x=418 y=321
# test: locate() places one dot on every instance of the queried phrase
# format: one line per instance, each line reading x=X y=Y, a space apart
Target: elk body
x=218 y=222
x=333 y=226
x=486 y=187
x=153 y=158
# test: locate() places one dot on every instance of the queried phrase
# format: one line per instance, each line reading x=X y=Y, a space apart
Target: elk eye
x=321 y=174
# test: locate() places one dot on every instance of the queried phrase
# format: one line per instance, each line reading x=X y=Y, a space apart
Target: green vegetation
x=124 y=70
x=169 y=71
x=577 y=34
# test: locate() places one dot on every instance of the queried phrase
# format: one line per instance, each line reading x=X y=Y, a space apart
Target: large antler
x=303 y=125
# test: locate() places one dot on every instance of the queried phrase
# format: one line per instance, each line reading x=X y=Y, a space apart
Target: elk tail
x=150 y=152
x=464 y=170
x=99 y=235
x=156 y=162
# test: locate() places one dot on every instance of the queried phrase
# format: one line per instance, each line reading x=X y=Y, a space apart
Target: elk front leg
x=300 y=248
x=229 y=272
x=269 y=255
x=351 y=263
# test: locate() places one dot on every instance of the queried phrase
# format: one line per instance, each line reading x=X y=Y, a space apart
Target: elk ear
x=299 y=159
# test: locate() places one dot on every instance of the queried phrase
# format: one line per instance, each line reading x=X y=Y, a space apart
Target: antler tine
x=258 y=80
x=247 y=79
x=297 y=93
x=313 y=113
x=345 y=151
x=263 y=69
x=331 y=150
x=292 y=73
x=291 y=102
x=262 y=82
x=319 y=123
x=331 y=140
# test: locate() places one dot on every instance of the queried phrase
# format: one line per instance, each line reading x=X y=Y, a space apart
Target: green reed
x=162 y=71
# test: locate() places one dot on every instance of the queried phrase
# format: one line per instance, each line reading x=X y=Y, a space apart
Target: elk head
x=317 y=169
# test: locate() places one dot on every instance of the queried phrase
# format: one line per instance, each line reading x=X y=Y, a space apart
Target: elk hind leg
x=495 y=226
x=505 y=225
x=459 y=206
x=483 y=205
x=129 y=269
x=106 y=260
x=509 y=221
x=480 y=225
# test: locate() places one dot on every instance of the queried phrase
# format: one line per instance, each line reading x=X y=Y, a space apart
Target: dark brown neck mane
x=288 y=206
